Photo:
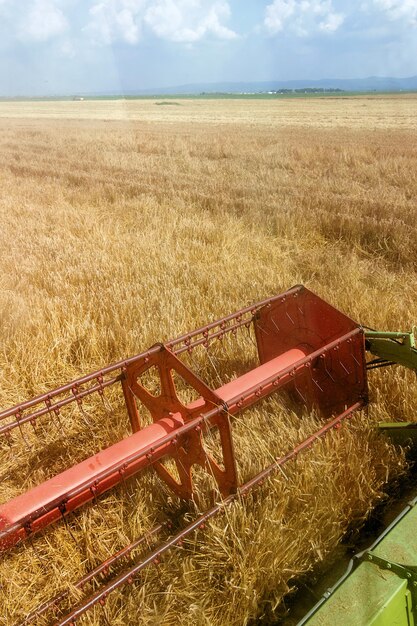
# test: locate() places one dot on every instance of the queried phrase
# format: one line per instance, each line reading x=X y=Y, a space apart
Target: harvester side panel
x=303 y=320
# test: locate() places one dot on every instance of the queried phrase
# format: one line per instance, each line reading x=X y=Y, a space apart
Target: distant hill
x=373 y=83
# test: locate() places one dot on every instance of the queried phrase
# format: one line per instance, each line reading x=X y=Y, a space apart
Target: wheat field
x=126 y=223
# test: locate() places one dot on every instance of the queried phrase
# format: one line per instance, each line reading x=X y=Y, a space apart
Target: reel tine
x=34 y=426
x=18 y=417
x=249 y=331
x=99 y=505
x=80 y=406
x=92 y=577
x=60 y=427
x=63 y=509
x=33 y=546
x=124 y=483
x=298 y=390
x=55 y=411
x=196 y=366
x=106 y=403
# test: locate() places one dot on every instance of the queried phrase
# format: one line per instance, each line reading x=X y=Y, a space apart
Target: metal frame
x=304 y=345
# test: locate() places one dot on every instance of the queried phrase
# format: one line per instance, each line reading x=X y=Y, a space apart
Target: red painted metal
x=130 y=574
x=52 y=402
x=306 y=320
x=101 y=569
x=304 y=344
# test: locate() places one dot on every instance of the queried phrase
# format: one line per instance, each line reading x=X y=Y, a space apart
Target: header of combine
x=304 y=346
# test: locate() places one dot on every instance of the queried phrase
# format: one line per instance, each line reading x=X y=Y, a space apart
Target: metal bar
x=77 y=382
x=271 y=381
x=249 y=309
x=170 y=344
x=398 y=348
x=208 y=338
x=401 y=433
x=47 y=397
x=96 y=389
x=385 y=335
x=102 y=568
x=147 y=455
x=57 y=406
x=50 y=510
x=129 y=575
x=307 y=443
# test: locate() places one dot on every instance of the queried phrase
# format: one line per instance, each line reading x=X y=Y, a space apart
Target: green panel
x=397 y=609
x=400 y=545
x=375 y=596
x=369 y=596
x=396 y=347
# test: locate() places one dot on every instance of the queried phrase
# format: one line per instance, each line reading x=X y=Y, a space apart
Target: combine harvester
x=304 y=346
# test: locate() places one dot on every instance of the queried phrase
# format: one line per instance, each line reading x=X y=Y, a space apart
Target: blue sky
x=69 y=46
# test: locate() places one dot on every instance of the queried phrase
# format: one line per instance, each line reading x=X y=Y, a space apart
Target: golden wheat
x=119 y=233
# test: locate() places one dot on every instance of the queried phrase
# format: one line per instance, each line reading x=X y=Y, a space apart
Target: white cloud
x=185 y=21
x=303 y=17
x=399 y=9
x=43 y=20
x=166 y=18
x=278 y=13
x=332 y=22
x=116 y=19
